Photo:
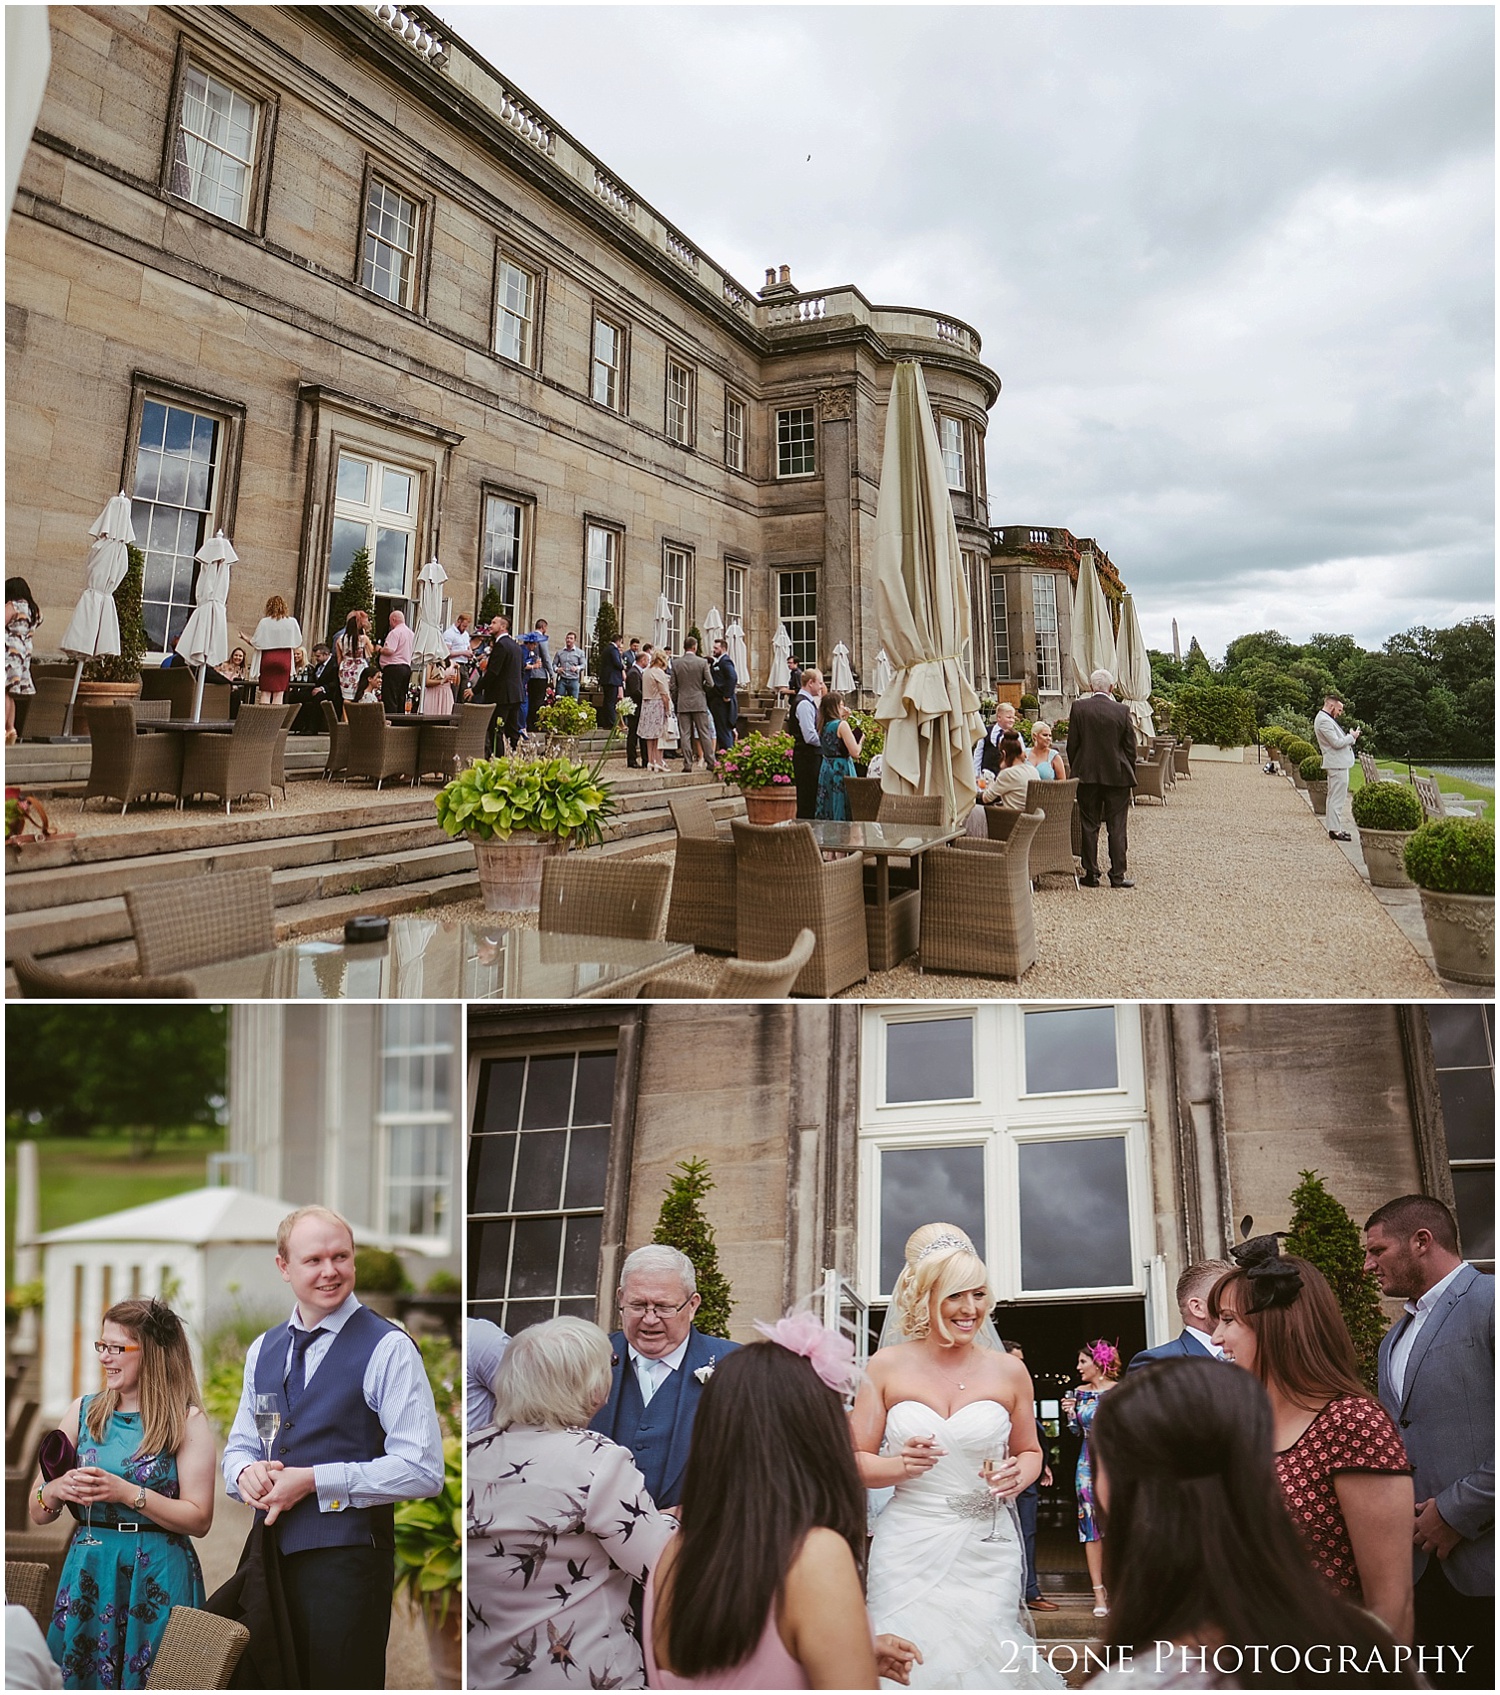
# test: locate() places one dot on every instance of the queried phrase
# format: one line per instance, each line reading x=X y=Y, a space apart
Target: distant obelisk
x=1176 y=643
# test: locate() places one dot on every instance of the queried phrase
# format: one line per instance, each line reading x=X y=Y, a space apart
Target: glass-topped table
x=423 y=959
x=892 y=925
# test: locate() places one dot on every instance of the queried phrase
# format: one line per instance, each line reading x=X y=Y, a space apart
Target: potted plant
x=761 y=766
x=564 y=722
x=871 y=738
x=1452 y=861
x=518 y=813
x=380 y=1277
x=117 y=676
x=1296 y=751
x=1315 y=781
x=429 y=1564
x=1387 y=815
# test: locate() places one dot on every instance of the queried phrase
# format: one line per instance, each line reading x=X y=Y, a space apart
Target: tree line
x=1425 y=694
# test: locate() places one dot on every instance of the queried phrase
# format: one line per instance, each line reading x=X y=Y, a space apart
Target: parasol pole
x=198 y=692
x=67 y=728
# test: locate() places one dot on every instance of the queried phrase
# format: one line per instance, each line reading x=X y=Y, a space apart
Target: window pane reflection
x=1468 y=1113
x=929 y=1059
x=1474 y=1190
x=921 y=1186
x=1075 y=1214
x=1070 y=1049
x=1458 y=1035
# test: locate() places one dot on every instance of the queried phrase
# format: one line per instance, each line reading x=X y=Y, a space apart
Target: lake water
x=1471 y=773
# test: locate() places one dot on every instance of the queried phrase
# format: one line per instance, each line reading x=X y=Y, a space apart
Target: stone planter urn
x=444 y=1653
x=1385 y=857
x=1461 y=929
x=771 y=805
x=510 y=873
x=100 y=694
x=1317 y=793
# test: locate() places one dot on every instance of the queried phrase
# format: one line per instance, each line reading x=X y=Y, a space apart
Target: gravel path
x=1239 y=894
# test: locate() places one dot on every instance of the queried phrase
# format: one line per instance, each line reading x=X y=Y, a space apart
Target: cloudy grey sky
x=1234 y=266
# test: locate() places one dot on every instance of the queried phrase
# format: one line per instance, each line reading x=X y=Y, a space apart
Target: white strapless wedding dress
x=934 y=1580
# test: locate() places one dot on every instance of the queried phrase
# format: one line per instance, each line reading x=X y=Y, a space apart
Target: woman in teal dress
x=840 y=745
x=1099 y=1369
x=143 y=1487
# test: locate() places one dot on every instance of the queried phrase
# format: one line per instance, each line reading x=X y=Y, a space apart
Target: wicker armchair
x=977 y=915
x=1180 y=767
x=44 y=713
x=703 y=905
x=864 y=798
x=27 y=1583
x=742 y=979
x=338 y=739
x=1166 y=745
x=603 y=897
x=1151 y=778
x=41 y=983
x=148 y=710
x=378 y=750
x=1052 y=846
x=178 y=686
x=910 y=809
x=442 y=746
x=198 y=1650
x=194 y=921
x=783 y=886
x=278 y=752
x=125 y=766
x=241 y=763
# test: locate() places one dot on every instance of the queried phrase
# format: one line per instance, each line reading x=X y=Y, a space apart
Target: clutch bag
x=56 y=1454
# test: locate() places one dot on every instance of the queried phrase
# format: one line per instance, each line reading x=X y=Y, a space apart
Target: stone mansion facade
x=324 y=278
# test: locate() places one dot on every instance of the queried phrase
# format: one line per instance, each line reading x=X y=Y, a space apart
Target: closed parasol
x=94 y=628
x=1134 y=669
x=842 y=677
x=884 y=674
x=1093 y=632
x=734 y=640
x=930 y=710
x=661 y=625
x=781 y=653
x=427 y=638
x=713 y=628
x=205 y=637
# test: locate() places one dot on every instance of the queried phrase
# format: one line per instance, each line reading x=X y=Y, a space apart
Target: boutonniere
x=704 y=1372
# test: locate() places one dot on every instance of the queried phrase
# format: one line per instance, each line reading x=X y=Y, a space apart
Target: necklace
x=952 y=1380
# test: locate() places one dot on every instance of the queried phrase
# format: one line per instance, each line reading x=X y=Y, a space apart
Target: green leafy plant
x=377 y=1272
x=1312 y=770
x=1323 y=1232
x=759 y=761
x=567 y=717
x=125 y=666
x=355 y=594
x=1453 y=856
x=682 y=1225
x=1273 y=736
x=445 y=1375
x=1060 y=732
x=493 y=798
x=1161 y=713
x=1387 y=806
x=1296 y=750
x=606 y=628
x=224 y=1365
x=443 y=1283
x=871 y=733
x=1030 y=704
x=492 y=606
x=430 y=1539
x=1212 y=712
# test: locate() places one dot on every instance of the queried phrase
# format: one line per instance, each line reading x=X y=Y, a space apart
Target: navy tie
x=297 y=1378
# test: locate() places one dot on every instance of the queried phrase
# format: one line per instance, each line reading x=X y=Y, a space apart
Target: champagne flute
x=89 y=1457
x=988 y=1470
x=267 y=1421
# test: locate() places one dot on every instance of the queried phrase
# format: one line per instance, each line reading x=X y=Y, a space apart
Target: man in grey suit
x=1437 y=1380
x=1195 y=1340
x=691 y=681
x=1101 y=755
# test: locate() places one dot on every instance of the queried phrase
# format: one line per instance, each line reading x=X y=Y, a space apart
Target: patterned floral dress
x=560 y=1527
x=1086 y=1404
x=1350 y=1434
x=833 y=802
x=113 y=1601
x=18 y=651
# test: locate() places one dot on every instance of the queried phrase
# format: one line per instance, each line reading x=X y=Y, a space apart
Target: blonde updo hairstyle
x=940 y=1261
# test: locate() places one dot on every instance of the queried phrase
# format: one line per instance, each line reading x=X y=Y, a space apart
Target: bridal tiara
x=940 y=1244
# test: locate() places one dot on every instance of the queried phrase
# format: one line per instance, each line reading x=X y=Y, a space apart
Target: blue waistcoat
x=332 y=1423
x=647 y=1431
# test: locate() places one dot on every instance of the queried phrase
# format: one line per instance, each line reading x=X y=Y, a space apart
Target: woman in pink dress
x=763 y=1589
x=437 y=688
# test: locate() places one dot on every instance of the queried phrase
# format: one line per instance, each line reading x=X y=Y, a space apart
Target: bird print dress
x=560 y=1527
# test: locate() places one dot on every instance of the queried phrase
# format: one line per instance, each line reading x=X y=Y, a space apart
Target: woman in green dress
x=142 y=1488
x=839 y=742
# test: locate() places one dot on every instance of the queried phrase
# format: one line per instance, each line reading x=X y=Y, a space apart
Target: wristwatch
x=139 y=1503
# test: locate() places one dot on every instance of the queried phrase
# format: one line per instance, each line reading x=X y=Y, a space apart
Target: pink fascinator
x=1104 y=1355
x=829 y=1353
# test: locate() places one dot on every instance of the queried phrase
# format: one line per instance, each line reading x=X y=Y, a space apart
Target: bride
x=954 y=1411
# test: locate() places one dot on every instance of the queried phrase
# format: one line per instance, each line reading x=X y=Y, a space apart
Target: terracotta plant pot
x=1385 y=857
x=772 y=805
x=510 y=873
x=443 y=1644
x=1461 y=929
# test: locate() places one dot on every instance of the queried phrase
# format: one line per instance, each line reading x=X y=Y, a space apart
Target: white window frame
x=736 y=431
x=735 y=575
x=1048 y=649
x=680 y=397
x=796 y=442
x=608 y=557
x=677 y=586
x=376 y=242
x=1001 y=1118
x=438 y=1119
x=489 y=571
x=376 y=517
x=524 y=314
x=805 y=650
x=955 y=457
x=612 y=397
x=146 y=510
x=212 y=141
x=999 y=628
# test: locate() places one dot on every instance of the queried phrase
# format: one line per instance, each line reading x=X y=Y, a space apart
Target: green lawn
x=84 y=1176
x=1445 y=781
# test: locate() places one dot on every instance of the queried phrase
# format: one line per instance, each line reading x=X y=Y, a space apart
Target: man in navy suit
x=661 y=1365
x=503 y=685
x=1193 y=1290
x=1437 y=1380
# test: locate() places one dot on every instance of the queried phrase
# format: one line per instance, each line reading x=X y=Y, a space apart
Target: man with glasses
x=661 y=1364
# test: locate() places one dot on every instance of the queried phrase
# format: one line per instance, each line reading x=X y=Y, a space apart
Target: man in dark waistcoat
x=358 y=1432
x=661 y=1365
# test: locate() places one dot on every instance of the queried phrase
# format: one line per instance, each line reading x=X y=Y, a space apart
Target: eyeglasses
x=113 y=1350
x=653 y=1309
